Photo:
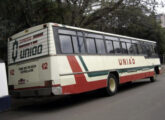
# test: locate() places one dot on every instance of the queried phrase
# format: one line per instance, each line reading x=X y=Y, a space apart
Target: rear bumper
x=36 y=91
x=31 y=92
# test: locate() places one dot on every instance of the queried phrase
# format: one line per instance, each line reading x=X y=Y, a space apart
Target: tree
x=127 y=17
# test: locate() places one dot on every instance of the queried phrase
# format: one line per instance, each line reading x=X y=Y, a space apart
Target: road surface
x=141 y=100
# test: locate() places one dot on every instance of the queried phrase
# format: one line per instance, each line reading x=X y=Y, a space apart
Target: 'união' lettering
x=28 y=52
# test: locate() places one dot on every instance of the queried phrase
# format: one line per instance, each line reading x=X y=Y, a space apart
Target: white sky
x=160 y=8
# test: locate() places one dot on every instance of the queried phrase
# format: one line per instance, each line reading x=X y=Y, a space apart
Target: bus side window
x=129 y=48
x=148 y=49
x=124 y=48
x=153 y=53
x=144 y=49
x=100 y=46
x=139 y=47
x=75 y=44
x=81 y=44
x=78 y=44
x=117 y=47
x=66 y=43
x=155 y=48
x=91 y=48
x=109 y=46
x=134 y=48
x=67 y=32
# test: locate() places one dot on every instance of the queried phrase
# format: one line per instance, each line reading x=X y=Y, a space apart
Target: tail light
x=48 y=83
x=12 y=72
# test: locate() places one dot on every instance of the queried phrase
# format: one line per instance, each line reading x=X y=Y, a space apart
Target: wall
x=3 y=81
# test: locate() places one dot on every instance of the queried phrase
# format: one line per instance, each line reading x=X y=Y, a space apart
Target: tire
x=153 y=78
x=112 y=85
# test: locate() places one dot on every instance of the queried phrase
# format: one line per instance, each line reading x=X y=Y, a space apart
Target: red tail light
x=45 y=66
x=12 y=72
x=48 y=83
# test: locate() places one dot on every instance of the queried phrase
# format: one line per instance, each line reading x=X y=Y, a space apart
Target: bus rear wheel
x=112 y=85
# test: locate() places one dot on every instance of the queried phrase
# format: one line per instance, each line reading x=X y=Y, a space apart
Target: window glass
x=148 y=48
x=124 y=47
x=155 y=48
x=69 y=32
x=144 y=49
x=91 y=45
x=75 y=45
x=135 y=41
x=151 y=49
x=117 y=47
x=139 y=47
x=111 y=38
x=79 y=33
x=109 y=46
x=129 y=48
x=100 y=46
x=81 y=45
x=134 y=46
x=125 y=40
x=93 y=35
x=78 y=45
x=66 y=44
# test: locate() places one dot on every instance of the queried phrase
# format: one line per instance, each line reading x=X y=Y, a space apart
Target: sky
x=160 y=9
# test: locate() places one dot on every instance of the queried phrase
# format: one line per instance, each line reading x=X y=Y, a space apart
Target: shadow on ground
x=56 y=104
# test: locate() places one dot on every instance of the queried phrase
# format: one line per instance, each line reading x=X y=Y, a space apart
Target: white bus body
x=41 y=62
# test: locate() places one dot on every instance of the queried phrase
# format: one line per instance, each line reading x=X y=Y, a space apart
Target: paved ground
x=140 y=101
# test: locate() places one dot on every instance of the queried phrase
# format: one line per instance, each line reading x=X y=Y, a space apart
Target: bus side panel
x=72 y=84
x=96 y=70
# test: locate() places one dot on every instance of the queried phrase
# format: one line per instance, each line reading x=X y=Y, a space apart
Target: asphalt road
x=141 y=100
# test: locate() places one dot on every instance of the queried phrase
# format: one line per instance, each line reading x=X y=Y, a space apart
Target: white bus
x=54 y=59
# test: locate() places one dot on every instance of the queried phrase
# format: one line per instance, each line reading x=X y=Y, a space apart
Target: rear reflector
x=48 y=83
x=12 y=72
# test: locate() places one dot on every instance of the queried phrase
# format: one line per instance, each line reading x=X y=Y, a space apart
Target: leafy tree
x=127 y=17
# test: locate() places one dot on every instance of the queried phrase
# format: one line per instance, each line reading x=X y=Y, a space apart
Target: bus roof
x=38 y=27
x=104 y=33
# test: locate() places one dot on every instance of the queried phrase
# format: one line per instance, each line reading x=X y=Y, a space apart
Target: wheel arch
x=116 y=74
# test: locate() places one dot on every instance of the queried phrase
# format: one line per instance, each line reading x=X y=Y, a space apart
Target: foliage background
x=136 y=18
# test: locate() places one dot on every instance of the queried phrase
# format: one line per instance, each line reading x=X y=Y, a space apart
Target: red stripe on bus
x=128 y=78
x=57 y=85
x=81 y=83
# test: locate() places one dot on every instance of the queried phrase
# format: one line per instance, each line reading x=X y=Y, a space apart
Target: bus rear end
x=29 y=64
